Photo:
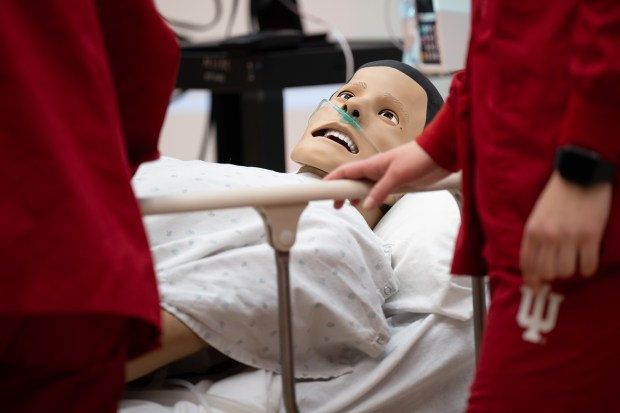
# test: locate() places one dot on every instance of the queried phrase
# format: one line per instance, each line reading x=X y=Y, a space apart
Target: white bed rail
x=280 y=195
x=280 y=208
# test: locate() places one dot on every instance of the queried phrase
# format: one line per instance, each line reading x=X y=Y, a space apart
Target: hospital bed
x=431 y=355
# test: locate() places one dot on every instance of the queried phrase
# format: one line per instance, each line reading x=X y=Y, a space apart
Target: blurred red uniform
x=538 y=75
x=85 y=87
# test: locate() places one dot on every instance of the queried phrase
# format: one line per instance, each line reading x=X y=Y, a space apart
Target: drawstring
x=192 y=388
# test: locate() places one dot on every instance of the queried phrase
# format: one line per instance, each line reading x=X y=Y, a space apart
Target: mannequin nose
x=354 y=113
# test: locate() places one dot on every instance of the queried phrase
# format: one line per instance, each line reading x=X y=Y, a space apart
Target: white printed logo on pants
x=532 y=315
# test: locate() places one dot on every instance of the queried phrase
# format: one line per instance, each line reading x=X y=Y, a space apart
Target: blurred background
x=189 y=130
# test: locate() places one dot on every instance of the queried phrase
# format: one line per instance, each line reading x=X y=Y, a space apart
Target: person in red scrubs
x=532 y=122
x=85 y=87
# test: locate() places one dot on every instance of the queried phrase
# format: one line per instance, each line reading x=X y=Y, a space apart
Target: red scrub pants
x=62 y=363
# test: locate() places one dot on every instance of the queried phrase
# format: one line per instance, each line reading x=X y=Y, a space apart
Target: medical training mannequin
x=390 y=101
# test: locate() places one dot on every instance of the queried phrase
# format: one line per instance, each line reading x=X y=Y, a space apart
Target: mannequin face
x=388 y=105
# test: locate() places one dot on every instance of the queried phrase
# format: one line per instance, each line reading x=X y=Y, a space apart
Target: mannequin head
x=391 y=102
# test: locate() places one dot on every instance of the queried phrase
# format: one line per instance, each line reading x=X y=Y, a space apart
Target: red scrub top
x=85 y=86
x=538 y=75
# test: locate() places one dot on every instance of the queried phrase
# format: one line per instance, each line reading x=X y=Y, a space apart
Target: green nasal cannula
x=347 y=119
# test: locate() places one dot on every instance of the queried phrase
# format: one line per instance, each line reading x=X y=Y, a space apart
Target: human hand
x=406 y=164
x=563 y=234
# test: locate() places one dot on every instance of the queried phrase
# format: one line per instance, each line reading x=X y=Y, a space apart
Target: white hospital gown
x=217 y=273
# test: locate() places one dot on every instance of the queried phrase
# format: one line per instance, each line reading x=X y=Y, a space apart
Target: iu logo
x=532 y=315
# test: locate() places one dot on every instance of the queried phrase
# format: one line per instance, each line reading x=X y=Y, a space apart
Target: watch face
x=578 y=167
x=582 y=166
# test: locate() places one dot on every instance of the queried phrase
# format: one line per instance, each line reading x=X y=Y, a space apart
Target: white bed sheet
x=426 y=368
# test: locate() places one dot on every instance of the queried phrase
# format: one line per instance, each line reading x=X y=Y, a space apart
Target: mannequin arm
x=177 y=341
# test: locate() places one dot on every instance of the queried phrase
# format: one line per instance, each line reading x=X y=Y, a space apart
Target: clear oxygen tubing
x=335 y=33
x=395 y=38
x=209 y=401
x=345 y=117
x=187 y=25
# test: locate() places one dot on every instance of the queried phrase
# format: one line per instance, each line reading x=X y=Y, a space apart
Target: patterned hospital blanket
x=218 y=275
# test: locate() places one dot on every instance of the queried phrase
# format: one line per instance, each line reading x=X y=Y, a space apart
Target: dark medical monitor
x=270 y=15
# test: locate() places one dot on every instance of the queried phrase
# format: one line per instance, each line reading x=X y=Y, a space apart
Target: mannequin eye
x=390 y=115
x=345 y=95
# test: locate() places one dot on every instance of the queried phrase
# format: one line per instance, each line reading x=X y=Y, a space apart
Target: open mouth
x=338 y=137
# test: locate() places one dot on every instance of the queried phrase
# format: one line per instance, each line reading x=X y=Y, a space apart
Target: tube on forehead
x=434 y=100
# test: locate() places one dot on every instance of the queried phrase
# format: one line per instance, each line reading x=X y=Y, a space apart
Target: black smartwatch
x=583 y=166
